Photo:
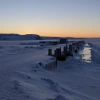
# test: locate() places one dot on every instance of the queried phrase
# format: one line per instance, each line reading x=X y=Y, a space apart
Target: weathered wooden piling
x=64 y=50
x=70 y=50
x=67 y=51
x=59 y=55
x=55 y=53
x=58 y=52
x=50 y=52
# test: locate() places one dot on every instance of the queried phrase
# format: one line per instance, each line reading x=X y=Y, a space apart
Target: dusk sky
x=66 y=18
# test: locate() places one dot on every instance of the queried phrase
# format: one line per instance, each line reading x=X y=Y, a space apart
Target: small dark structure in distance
x=63 y=40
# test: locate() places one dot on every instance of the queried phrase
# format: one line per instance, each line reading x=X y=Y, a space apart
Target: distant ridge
x=19 y=37
x=49 y=37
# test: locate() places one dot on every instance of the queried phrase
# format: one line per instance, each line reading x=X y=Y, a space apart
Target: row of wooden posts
x=68 y=50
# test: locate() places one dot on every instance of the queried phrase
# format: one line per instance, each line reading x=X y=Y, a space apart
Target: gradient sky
x=69 y=18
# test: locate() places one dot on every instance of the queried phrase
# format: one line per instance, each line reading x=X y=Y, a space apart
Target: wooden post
x=70 y=50
x=58 y=52
x=64 y=50
x=50 y=52
x=67 y=52
x=56 y=57
x=56 y=62
x=55 y=53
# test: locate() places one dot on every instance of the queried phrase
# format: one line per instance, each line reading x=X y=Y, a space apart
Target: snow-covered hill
x=19 y=37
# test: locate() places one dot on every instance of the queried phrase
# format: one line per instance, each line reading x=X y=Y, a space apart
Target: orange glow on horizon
x=56 y=32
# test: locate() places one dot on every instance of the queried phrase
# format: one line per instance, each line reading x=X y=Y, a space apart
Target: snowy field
x=23 y=77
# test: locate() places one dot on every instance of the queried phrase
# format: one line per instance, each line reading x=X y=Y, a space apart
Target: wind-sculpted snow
x=23 y=75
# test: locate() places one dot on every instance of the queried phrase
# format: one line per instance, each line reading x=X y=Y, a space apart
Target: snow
x=23 y=76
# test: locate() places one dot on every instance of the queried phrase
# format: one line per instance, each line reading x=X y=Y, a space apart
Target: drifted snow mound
x=19 y=37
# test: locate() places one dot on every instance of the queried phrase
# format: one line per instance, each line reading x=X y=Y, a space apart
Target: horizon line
x=49 y=36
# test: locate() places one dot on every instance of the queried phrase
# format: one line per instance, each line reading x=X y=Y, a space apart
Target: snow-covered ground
x=22 y=76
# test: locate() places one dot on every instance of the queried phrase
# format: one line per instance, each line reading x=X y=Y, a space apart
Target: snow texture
x=23 y=75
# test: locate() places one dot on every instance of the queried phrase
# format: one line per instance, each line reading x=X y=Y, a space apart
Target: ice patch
x=85 y=54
